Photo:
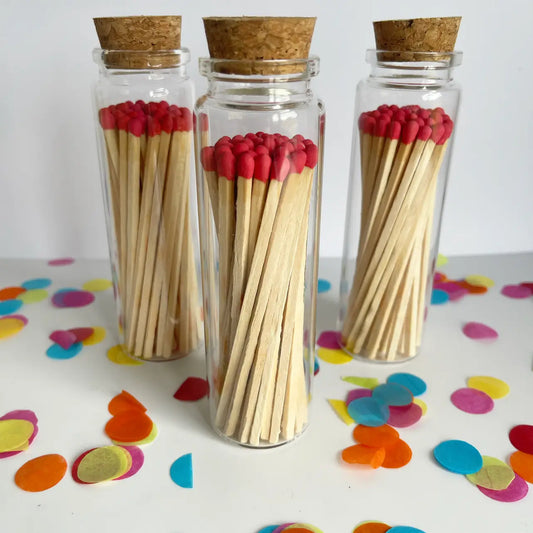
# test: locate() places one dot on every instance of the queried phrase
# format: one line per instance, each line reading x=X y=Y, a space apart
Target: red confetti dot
x=192 y=389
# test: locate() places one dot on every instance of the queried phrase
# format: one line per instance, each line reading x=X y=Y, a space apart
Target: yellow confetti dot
x=421 y=404
x=303 y=526
x=441 y=260
x=479 y=280
x=494 y=387
x=33 y=296
x=369 y=383
x=335 y=357
x=117 y=355
x=97 y=285
x=494 y=474
x=97 y=336
x=339 y=406
x=147 y=440
x=10 y=326
x=14 y=434
x=103 y=464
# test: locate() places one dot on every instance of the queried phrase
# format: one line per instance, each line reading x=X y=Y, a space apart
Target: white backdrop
x=50 y=199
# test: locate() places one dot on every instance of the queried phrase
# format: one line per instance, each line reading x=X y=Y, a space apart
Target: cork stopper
x=154 y=35
x=403 y=38
x=253 y=39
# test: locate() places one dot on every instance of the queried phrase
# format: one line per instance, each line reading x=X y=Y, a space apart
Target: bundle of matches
x=402 y=150
x=148 y=153
x=260 y=189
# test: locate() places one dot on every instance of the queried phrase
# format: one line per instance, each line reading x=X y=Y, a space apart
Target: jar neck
x=412 y=69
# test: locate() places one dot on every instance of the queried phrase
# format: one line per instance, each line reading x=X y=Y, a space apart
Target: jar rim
x=406 y=59
x=261 y=70
x=149 y=59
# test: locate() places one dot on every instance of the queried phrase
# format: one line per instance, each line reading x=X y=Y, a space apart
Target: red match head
x=122 y=121
x=394 y=129
x=409 y=131
x=223 y=140
x=269 y=142
x=367 y=124
x=237 y=138
x=297 y=160
x=424 y=133
x=107 y=120
x=245 y=165
x=280 y=167
x=311 y=152
x=437 y=133
x=298 y=138
x=261 y=149
x=185 y=124
x=225 y=162
x=239 y=147
x=381 y=126
x=262 y=167
x=207 y=157
x=153 y=127
x=167 y=124
x=135 y=127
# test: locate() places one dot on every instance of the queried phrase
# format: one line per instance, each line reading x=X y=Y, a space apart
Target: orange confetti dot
x=9 y=293
x=129 y=426
x=364 y=455
x=377 y=437
x=41 y=473
x=125 y=402
x=398 y=455
x=472 y=289
x=372 y=527
x=522 y=464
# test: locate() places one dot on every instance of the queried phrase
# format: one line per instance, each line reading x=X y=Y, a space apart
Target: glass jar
x=403 y=132
x=259 y=144
x=144 y=128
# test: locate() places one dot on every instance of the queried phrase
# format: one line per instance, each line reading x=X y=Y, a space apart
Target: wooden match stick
x=278 y=173
x=207 y=156
x=122 y=124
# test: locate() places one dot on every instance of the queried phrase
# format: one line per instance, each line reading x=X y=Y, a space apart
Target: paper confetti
x=103 y=464
x=10 y=325
x=404 y=416
x=398 y=455
x=421 y=404
x=181 y=471
x=33 y=296
x=124 y=402
x=368 y=411
x=517 y=490
x=72 y=298
x=405 y=529
x=81 y=334
x=129 y=426
x=323 y=285
x=377 y=437
x=63 y=261
x=472 y=401
x=21 y=414
x=97 y=336
x=478 y=279
x=137 y=461
x=521 y=438
x=10 y=293
x=441 y=260
x=41 y=473
x=354 y=394
x=329 y=339
x=97 y=285
x=369 y=383
x=117 y=355
x=494 y=387
x=495 y=474
x=416 y=385
x=192 y=389
x=439 y=297
x=65 y=339
x=522 y=464
x=393 y=394
x=479 y=331
x=516 y=291
x=472 y=289
x=8 y=307
x=458 y=456
x=335 y=357
x=14 y=434
x=37 y=283
x=363 y=455
x=372 y=527
x=342 y=411
x=56 y=352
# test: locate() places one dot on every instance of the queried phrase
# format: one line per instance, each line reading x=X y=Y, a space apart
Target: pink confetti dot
x=528 y=284
x=355 y=394
x=72 y=299
x=404 y=416
x=479 y=331
x=65 y=339
x=472 y=401
x=517 y=490
x=453 y=290
x=61 y=261
x=22 y=318
x=516 y=291
x=329 y=339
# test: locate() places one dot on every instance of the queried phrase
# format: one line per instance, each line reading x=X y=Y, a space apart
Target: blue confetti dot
x=439 y=297
x=323 y=285
x=392 y=394
x=37 y=283
x=369 y=411
x=416 y=385
x=458 y=456
x=181 y=471
x=269 y=529
x=56 y=352
x=67 y=289
x=316 y=370
x=404 y=529
x=8 y=307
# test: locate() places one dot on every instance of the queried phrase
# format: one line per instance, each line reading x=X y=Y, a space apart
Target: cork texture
x=416 y=35
x=252 y=39
x=151 y=34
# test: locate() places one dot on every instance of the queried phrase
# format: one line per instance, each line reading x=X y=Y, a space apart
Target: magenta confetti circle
x=62 y=261
x=404 y=416
x=479 y=331
x=65 y=339
x=514 y=492
x=472 y=401
x=21 y=414
x=137 y=460
x=72 y=299
x=355 y=394
x=329 y=339
x=516 y=291
x=453 y=290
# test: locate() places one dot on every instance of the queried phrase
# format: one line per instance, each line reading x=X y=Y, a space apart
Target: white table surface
x=238 y=490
